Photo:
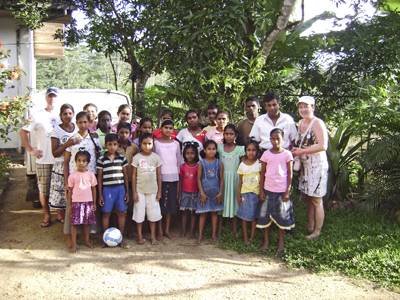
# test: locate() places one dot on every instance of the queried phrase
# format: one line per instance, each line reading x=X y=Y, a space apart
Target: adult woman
x=61 y=140
x=311 y=146
x=194 y=132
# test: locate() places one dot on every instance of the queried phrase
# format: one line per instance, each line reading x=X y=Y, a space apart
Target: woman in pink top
x=170 y=153
x=276 y=180
x=217 y=133
x=189 y=188
x=82 y=198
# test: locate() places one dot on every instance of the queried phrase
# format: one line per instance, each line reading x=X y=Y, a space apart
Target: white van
x=103 y=99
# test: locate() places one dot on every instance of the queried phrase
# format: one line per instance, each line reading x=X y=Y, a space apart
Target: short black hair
x=124 y=125
x=82 y=114
x=167 y=111
x=167 y=122
x=144 y=136
x=144 y=120
x=191 y=111
x=271 y=96
x=191 y=145
x=103 y=113
x=82 y=153
x=111 y=137
x=276 y=130
x=212 y=105
x=256 y=145
x=252 y=99
x=223 y=112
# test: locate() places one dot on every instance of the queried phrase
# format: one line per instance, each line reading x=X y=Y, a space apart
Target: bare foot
x=89 y=244
x=154 y=242
x=168 y=235
x=124 y=245
x=141 y=241
x=214 y=239
x=246 y=242
x=199 y=240
x=159 y=237
x=313 y=236
x=72 y=249
x=264 y=246
x=279 y=253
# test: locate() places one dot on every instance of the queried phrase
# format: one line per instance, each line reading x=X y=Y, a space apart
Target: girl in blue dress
x=211 y=186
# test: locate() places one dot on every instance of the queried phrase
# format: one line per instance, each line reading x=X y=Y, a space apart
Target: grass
x=357 y=244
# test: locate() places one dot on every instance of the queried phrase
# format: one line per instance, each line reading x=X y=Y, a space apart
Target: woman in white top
x=61 y=140
x=311 y=145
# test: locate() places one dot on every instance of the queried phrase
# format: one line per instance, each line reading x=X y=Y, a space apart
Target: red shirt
x=157 y=134
x=188 y=175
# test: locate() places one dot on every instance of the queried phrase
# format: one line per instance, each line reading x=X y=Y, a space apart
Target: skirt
x=57 y=193
x=248 y=208
x=274 y=210
x=82 y=213
x=313 y=178
x=189 y=201
x=169 y=197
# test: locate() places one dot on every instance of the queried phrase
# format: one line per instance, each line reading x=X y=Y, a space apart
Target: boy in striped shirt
x=112 y=171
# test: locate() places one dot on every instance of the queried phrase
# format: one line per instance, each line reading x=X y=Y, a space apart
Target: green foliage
x=4 y=165
x=28 y=13
x=356 y=244
x=11 y=109
x=341 y=154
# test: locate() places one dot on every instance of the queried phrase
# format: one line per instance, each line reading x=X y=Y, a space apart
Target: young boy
x=113 y=183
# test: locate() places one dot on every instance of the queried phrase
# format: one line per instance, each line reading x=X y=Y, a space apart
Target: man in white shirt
x=274 y=118
x=36 y=139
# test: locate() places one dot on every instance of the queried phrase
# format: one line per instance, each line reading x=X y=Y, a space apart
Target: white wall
x=23 y=56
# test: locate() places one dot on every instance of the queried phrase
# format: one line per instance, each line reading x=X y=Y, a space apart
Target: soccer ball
x=112 y=237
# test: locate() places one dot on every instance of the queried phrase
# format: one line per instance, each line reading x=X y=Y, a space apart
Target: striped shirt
x=112 y=169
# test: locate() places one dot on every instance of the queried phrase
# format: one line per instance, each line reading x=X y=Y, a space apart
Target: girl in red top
x=189 y=189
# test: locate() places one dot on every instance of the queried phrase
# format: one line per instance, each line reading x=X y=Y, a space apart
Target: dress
x=57 y=194
x=313 y=178
x=231 y=161
x=210 y=181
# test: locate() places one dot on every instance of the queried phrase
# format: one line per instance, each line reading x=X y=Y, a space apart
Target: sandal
x=45 y=224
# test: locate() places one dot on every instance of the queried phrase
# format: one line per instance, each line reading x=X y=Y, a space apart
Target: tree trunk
x=139 y=93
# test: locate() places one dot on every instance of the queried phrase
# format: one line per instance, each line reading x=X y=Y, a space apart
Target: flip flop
x=45 y=224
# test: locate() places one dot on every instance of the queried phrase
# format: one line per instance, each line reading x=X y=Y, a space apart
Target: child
x=170 y=153
x=113 y=184
x=166 y=114
x=211 y=186
x=83 y=140
x=217 y=134
x=91 y=110
x=103 y=126
x=230 y=155
x=146 y=187
x=145 y=126
x=248 y=189
x=276 y=180
x=189 y=188
x=128 y=150
x=82 y=198
x=124 y=114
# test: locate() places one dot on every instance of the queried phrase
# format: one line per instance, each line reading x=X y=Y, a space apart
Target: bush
x=4 y=165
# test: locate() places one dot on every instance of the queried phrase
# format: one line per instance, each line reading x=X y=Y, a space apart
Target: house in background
x=25 y=46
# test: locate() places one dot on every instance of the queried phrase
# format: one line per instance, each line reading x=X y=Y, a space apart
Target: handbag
x=297 y=160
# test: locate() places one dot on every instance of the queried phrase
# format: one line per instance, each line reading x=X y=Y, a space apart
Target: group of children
x=162 y=174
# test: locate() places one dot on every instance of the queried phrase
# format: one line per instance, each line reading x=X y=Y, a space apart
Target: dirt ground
x=34 y=264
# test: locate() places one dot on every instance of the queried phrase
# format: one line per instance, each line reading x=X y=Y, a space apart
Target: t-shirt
x=215 y=135
x=250 y=177
x=170 y=154
x=276 y=170
x=85 y=144
x=63 y=136
x=93 y=126
x=146 y=174
x=129 y=152
x=133 y=130
x=112 y=169
x=188 y=176
x=186 y=136
x=81 y=184
x=40 y=129
x=102 y=138
x=157 y=134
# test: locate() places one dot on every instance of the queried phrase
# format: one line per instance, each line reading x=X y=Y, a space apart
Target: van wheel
x=32 y=193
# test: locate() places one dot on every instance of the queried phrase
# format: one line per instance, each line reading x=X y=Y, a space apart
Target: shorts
x=189 y=201
x=83 y=213
x=248 y=208
x=274 y=210
x=43 y=174
x=169 y=195
x=114 y=198
x=147 y=205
